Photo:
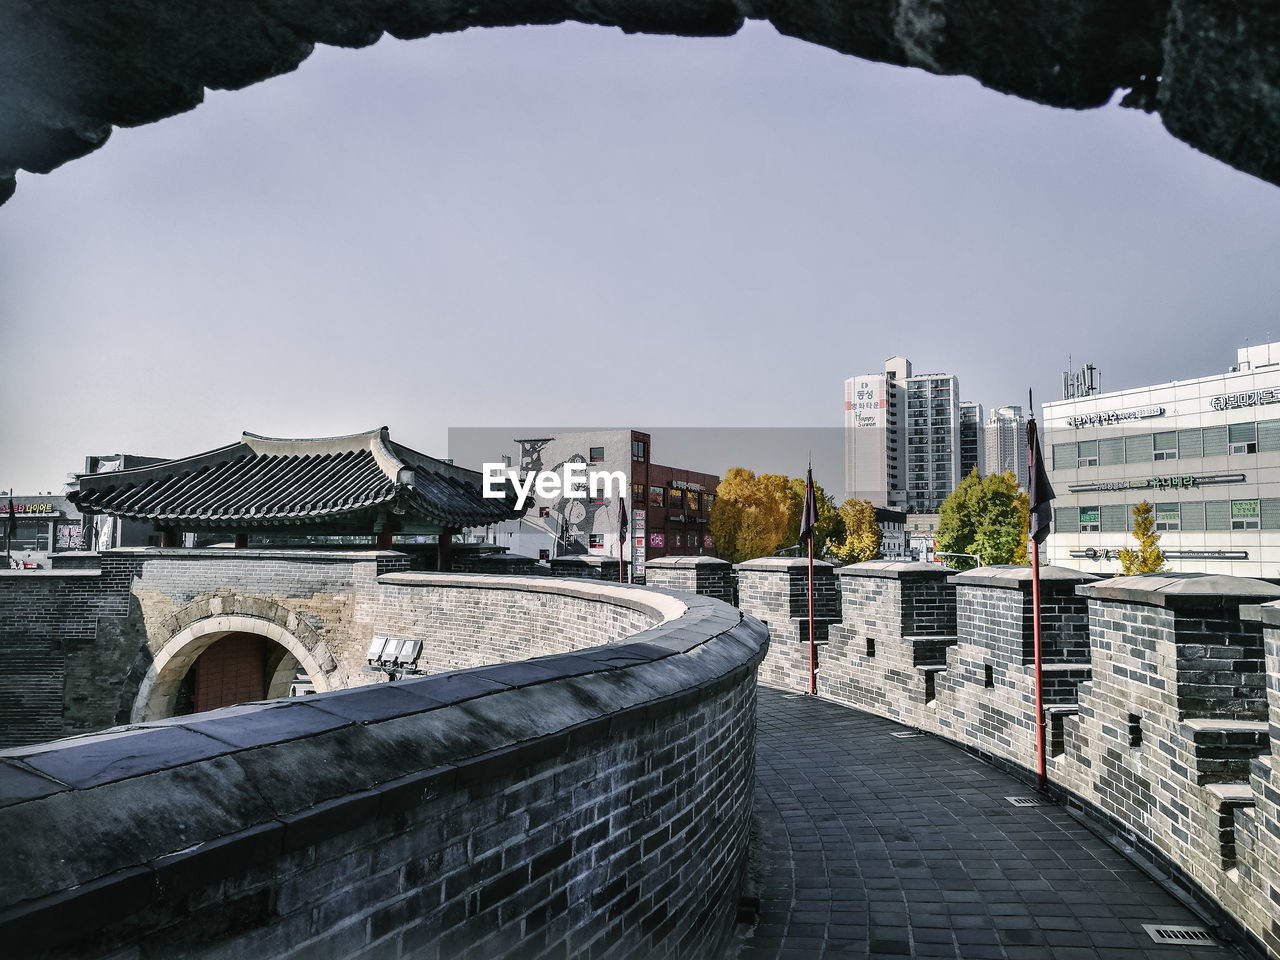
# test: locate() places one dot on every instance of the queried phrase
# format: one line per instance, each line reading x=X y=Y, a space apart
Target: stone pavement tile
x=875 y=850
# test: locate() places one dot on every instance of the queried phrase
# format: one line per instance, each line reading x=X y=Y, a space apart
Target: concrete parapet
x=776 y=591
x=705 y=576
x=555 y=806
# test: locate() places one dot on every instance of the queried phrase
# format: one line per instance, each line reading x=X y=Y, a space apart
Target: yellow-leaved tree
x=862 y=534
x=1148 y=558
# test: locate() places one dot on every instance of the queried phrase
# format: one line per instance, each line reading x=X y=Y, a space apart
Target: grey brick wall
x=705 y=576
x=592 y=804
x=775 y=590
x=1162 y=701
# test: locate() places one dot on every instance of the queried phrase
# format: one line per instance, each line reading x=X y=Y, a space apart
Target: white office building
x=1204 y=452
x=1006 y=438
x=902 y=437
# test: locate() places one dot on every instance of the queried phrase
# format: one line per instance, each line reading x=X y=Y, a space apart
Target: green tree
x=862 y=534
x=1148 y=558
x=986 y=516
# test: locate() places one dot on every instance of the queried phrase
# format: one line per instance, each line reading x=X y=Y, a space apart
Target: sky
x=571 y=225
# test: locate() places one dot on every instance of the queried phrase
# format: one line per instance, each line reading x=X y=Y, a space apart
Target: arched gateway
x=244 y=658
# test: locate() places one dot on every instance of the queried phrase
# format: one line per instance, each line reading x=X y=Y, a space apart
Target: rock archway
x=1211 y=69
x=160 y=687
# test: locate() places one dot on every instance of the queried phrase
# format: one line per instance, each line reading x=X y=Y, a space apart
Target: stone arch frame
x=195 y=627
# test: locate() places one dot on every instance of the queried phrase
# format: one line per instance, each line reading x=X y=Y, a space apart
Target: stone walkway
x=879 y=847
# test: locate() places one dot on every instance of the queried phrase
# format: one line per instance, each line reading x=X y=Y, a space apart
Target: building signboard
x=866 y=402
x=637 y=542
x=1244 y=509
x=1248 y=398
x=1111 y=417
x=1088 y=515
x=30 y=509
x=1158 y=483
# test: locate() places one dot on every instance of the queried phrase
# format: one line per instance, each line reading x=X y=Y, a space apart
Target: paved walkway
x=879 y=847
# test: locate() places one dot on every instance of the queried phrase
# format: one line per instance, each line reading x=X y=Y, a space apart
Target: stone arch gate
x=201 y=623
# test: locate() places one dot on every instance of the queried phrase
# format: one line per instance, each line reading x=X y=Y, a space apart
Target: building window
x=1168 y=517
x=693 y=500
x=708 y=499
x=596 y=541
x=1065 y=520
x=675 y=499
x=1138 y=449
x=637 y=493
x=1243 y=437
x=597 y=454
x=637 y=450
x=1089 y=520
x=1217 y=515
x=544 y=512
x=657 y=496
x=1111 y=451
x=1192 y=516
x=1115 y=517
x=1215 y=441
x=1166 y=446
x=1190 y=444
x=1064 y=456
x=1244 y=515
x=1088 y=454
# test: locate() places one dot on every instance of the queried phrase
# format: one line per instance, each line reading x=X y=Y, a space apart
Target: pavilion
x=364 y=485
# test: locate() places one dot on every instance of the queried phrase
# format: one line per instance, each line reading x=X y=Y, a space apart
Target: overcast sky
x=566 y=224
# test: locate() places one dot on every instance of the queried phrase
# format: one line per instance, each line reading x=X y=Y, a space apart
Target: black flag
x=808 y=519
x=1041 y=491
x=622 y=524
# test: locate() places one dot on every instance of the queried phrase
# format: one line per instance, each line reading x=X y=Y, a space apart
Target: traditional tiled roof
x=262 y=482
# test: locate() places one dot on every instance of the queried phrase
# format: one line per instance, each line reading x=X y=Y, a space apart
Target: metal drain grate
x=1164 y=933
x=907 y=734
x=1027 y=801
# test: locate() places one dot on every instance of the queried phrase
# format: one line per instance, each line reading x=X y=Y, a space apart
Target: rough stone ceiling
x=71 y=70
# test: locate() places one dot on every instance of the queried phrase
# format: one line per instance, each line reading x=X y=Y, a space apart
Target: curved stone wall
x=1209 y=69
x=586 y=802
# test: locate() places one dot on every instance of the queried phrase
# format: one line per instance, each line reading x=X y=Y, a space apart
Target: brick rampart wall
x=593 y=803
x=1162 y=702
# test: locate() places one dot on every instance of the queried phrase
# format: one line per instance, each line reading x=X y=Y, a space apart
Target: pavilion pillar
x=242 y=541
x=384 y=537
x=444 y=550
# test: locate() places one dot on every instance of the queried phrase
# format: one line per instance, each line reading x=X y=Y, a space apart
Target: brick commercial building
x=668 y=508
x=43 y=524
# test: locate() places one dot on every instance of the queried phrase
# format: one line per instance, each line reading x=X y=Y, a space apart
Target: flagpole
x=1035 y=613
x=813 y=657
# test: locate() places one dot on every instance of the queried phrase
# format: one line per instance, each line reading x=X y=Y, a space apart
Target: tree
x=756 y=515
x=862 y=535
x=986 y=516
x=1148 y=558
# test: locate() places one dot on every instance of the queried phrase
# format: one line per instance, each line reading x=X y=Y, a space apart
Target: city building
x=902 y=437
x=669 y=507
x=1204 y=452
x=42 y=524
x=973 y=447
x=893 y=533
x=1007 y=443
x=875 y=439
